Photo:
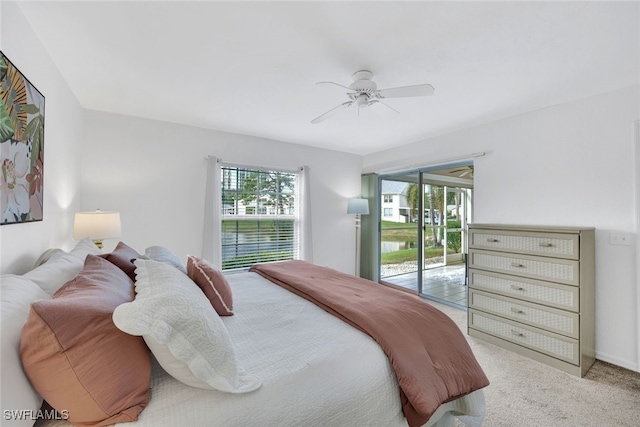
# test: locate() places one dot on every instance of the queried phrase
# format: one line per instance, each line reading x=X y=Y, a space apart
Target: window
x=388 y=212
x=388 y=198
x=258 y=216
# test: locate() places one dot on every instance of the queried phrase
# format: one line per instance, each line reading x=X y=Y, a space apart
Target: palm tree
x=413 y=192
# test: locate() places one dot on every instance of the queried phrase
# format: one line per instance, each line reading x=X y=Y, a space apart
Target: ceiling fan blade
x=330 y=112
x=406 y=91
x=334 y=83
x=377 y=101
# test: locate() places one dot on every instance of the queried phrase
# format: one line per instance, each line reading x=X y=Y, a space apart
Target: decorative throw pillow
x=183 y=331
x=77 y=359
x=16 y=296
x=162 y=254
x=122 y=256
x=213 y=284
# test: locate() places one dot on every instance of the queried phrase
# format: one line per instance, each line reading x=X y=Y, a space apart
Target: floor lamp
x=358 y=207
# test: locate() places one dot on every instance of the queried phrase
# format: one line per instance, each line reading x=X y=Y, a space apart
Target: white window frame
x=261 y=213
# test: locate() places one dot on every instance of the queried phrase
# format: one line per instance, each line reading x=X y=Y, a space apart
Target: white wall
x=21 y=244
x=570 y=164
x=154 y=174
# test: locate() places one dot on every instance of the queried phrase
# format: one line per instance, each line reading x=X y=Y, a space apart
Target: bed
x=311 y=367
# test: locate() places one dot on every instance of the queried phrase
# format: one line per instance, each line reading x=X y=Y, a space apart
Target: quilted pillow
x=77 y=359
x=162 y=254
x=213 y=284
x=183 y=331
x=122 y=257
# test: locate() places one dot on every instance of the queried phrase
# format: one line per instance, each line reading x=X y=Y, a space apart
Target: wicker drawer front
x=546 y=342
x=545 y=244
x=555 y=270
x=551 y=294
x=554 y=320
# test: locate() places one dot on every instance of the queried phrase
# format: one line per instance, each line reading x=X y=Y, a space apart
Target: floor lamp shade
x=97 y=226
x=358 y=206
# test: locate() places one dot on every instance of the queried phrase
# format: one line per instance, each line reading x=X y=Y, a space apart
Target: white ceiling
x=251 y=67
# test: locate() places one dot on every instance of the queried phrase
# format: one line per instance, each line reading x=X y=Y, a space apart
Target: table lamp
x=97 y=226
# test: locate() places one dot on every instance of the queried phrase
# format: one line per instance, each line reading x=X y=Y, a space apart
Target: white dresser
x=531 y=290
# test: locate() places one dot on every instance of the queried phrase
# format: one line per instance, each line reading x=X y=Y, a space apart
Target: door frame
x=420 y=173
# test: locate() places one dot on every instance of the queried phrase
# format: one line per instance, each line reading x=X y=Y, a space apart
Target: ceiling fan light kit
x=365 y=93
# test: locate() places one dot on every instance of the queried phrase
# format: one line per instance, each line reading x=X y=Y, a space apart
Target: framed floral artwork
x=21 y=146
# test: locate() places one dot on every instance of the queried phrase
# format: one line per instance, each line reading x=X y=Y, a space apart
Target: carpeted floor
x=526 y=393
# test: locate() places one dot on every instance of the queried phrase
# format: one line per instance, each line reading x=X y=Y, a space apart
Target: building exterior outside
x=394 y=206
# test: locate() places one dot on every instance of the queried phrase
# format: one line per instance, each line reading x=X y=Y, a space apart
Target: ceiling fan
x=364 y=93
x=462 y=172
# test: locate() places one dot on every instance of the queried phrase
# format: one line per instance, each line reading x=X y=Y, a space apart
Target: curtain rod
x=250 y=166
x=391 y=166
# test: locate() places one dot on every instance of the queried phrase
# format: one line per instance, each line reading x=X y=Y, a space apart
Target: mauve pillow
x=213 y=284
x=123 y=256
x=75 y=356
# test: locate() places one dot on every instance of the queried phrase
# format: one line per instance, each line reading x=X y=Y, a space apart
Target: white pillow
x=85 y=247
x=162 y=254
x=16 y=296
x=58 y=270
x=61 y=266
x=182 y=329
x=46 y=255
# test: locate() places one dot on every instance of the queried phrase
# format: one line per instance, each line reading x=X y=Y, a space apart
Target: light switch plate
x=620 y=238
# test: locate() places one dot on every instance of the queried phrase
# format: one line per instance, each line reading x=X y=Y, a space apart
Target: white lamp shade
x=358 y=206
x=97 y=225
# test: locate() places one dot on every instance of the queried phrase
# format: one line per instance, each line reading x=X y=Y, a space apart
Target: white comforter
x=316 y=371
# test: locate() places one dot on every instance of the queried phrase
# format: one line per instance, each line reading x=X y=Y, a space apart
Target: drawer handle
x=493 y=240
x=517 y=333
x=517 y=288
x=516 y=310
x=546 y=245
x=517 y=265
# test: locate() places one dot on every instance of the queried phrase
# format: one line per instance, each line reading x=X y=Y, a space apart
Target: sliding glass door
x=399 y=230
x=423 y=222
x=447 y=211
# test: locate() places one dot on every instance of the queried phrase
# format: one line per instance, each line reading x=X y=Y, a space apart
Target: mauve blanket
x=431 y=357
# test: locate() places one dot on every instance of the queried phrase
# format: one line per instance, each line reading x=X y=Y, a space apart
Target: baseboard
x=632 y=366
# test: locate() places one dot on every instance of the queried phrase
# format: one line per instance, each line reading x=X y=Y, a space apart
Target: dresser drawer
x=555 y=345
x=549 y=269
x=554 y=245
x=537 y=291
x=551 y=319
